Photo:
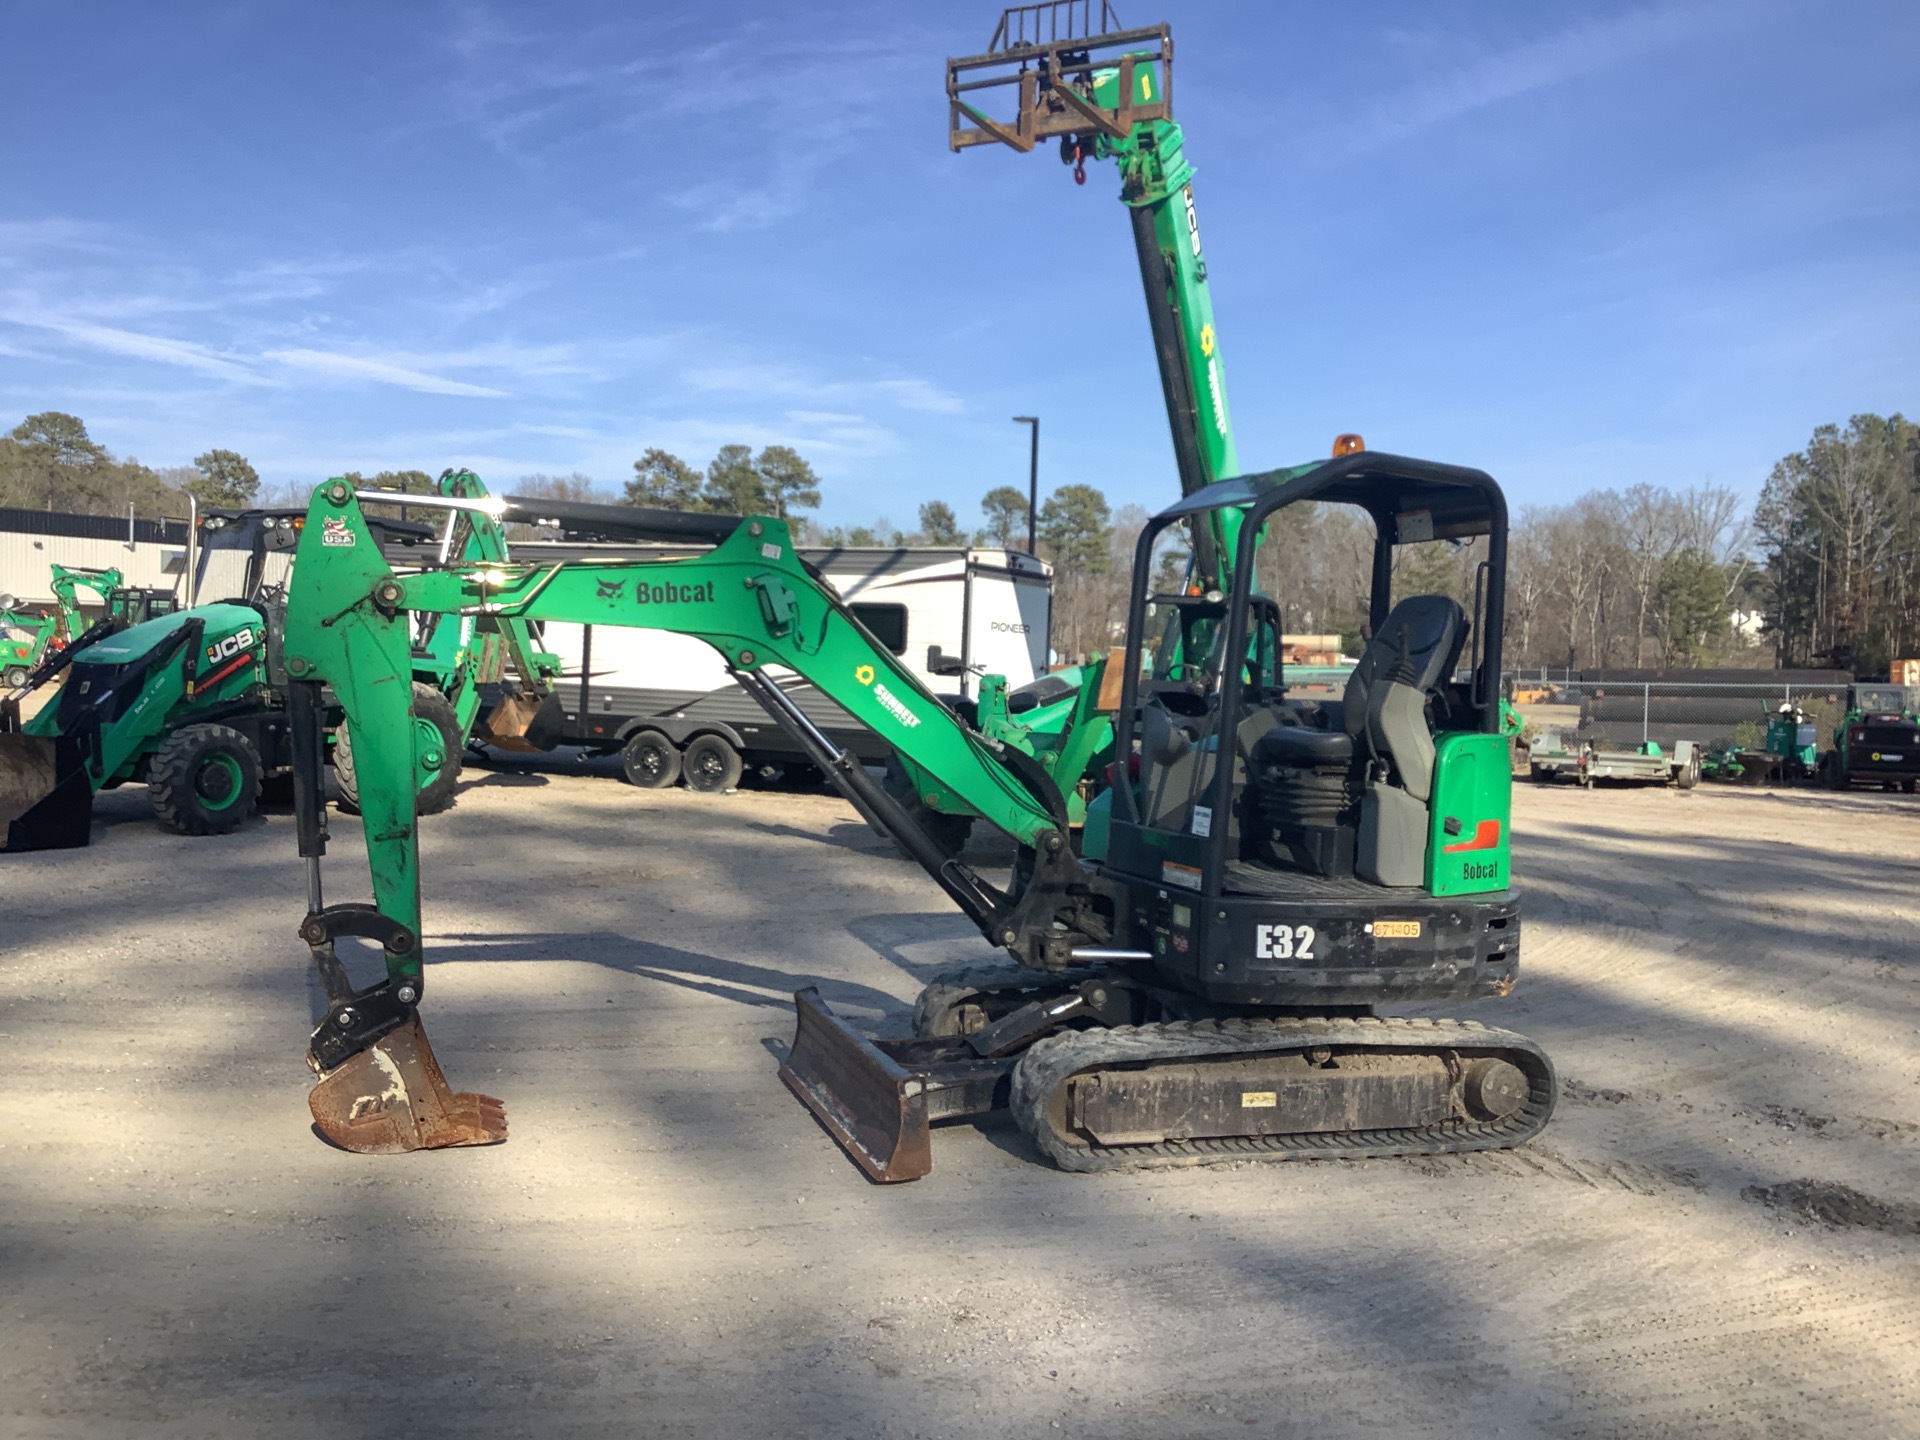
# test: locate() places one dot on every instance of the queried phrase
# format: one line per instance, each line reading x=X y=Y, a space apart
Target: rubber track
x=1052 y=1061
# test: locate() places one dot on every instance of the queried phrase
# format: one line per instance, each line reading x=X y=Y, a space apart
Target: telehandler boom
x=1273 y=868
x=1106 y=93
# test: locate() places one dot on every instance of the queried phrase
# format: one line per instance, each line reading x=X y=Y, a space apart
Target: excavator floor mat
x=393 y=1097
x=46 y=802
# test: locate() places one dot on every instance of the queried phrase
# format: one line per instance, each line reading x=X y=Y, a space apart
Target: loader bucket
x=505 y=726
x=392 y=1097
x=46 y=800
x=871 y=1104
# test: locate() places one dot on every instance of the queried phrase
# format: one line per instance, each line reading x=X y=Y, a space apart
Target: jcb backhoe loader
x=1201 y=987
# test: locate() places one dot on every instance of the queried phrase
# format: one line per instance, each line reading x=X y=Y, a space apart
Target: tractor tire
x=204 y=780
x=16 y=676
x=949 y=832
x=429 y=707
x=651 y=760
x=711 y=764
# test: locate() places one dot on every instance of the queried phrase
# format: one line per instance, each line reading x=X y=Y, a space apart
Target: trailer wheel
x=1689 y=775
x=651 y=760
x=712 y=765
x=16 y=676
x=430 y=709
x=204 y=780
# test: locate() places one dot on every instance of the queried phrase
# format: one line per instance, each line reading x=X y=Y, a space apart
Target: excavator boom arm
x=751 y=598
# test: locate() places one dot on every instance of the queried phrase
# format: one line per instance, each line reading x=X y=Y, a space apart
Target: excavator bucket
x=46 y=800
x=874 y=1106
x=392 y=1097
x=505 y=726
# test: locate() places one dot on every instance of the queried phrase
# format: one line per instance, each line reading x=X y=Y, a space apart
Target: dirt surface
x=1729 y=982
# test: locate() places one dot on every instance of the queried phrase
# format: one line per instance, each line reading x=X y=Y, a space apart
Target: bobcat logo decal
x=611 y=589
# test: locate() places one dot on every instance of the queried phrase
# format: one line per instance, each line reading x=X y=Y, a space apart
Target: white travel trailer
x=667 y=703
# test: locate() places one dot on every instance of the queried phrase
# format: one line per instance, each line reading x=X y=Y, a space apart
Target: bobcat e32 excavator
x=1200 y=986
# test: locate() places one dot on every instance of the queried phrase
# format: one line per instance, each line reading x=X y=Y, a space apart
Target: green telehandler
x=1104 y=94
x=1272 y=870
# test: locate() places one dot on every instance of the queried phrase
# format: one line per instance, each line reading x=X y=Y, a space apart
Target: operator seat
x=1377 y=743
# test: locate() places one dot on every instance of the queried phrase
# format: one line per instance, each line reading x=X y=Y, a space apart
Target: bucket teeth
x=392 y=1097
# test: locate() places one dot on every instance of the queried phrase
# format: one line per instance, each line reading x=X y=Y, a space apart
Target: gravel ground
x=1715 y=1237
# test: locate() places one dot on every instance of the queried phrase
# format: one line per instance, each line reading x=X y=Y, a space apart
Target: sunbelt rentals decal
x=889 y=701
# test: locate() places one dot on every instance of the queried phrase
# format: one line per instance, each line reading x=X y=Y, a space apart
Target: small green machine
x=23 y=640
x=1877 y=741
x=1794 y=742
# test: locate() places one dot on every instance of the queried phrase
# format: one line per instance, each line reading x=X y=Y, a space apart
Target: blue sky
x=1576 y=245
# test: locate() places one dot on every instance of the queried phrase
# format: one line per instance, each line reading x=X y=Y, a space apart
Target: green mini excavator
x=1274 y=867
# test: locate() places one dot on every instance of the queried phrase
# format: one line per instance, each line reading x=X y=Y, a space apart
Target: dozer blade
x=393 y=1097
x=871 y=1104
x=46 y=802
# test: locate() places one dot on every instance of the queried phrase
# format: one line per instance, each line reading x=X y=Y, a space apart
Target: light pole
x=1033 y=478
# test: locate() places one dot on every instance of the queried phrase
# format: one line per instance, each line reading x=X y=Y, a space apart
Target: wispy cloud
x=386 y=372
x=132 y=343
x=1538 y=65
x=920 y=395
x=788 y=382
